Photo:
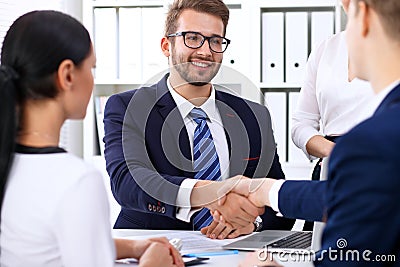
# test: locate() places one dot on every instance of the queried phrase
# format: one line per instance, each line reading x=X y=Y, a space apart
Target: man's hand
x=256 y=190
x=237 y=210
x=221 y=230
x=238 y=199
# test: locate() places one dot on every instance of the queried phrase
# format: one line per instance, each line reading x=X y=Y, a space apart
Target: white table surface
x=214 y=261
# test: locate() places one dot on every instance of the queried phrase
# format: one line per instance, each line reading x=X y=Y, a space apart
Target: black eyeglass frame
x=202 y=42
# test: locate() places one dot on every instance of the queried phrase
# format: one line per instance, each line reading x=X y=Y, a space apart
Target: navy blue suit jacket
x=303 y=200
x=148 y=154
x=363 y=199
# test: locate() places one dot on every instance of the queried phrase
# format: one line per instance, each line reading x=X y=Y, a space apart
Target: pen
x=212 y=253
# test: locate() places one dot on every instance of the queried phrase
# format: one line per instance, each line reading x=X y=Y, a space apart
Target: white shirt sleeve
x=185 y=211
x=82 y=224
x=306 y=118
x=274 y=195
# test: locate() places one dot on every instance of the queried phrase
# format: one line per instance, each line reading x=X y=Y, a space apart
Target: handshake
x=234 y=204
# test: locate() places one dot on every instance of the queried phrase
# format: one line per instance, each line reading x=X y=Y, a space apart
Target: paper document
x=191 y=241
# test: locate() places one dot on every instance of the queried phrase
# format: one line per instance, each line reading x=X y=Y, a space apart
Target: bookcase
x=289 y=31
x=126 y=36
x=271 y=40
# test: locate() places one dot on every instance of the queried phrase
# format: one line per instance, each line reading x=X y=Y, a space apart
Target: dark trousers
x=315 y=176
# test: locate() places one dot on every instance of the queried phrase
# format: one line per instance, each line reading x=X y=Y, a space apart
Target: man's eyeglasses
x=195 y=40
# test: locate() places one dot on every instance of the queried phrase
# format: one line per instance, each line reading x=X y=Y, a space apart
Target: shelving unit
x=244 y=55
x=301 y=26
x=120 y=79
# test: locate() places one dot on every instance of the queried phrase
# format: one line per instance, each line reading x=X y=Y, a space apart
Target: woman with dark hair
x=54 y=209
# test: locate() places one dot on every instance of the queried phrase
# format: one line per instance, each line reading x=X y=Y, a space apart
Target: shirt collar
x=382 y=94
x=184 y=106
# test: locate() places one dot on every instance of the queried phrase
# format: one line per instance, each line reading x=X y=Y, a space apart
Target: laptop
x=285 y=241
x=275 y=241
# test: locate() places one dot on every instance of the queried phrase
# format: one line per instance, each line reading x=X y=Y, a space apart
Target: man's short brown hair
x=212 y=7
x=389 y=13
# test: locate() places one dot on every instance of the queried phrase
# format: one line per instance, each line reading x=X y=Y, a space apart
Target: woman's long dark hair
x=32 y=51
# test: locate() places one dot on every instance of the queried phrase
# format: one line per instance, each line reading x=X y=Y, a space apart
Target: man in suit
x=154 y=136
x=362 y=197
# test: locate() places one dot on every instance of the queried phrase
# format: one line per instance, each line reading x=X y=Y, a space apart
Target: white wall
x=71 y=133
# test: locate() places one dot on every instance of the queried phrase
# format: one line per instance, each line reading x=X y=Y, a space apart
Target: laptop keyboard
x=300 y=240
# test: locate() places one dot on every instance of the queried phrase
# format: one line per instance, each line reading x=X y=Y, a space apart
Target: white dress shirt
x=214 y=122
x=328 y=103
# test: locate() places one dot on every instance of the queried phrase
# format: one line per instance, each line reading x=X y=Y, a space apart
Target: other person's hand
x=237 y=210
x=150 y=246
x=222 y=230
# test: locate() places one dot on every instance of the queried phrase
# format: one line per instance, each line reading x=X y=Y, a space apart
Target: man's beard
x=198 y=83
x=195 y=77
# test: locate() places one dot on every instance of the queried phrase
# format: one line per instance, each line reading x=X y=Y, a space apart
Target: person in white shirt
x=331 y=101
x=54 y=209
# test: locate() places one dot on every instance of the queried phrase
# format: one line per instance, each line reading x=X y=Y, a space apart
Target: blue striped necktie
x=205 y=161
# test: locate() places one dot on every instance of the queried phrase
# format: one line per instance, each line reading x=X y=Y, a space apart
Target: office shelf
x=245 y=55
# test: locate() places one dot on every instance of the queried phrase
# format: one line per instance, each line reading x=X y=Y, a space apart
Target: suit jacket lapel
x=173 y=120
x=236 y=134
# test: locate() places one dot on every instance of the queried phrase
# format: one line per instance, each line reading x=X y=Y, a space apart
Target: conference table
x=195 y=242
x=192 y=237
